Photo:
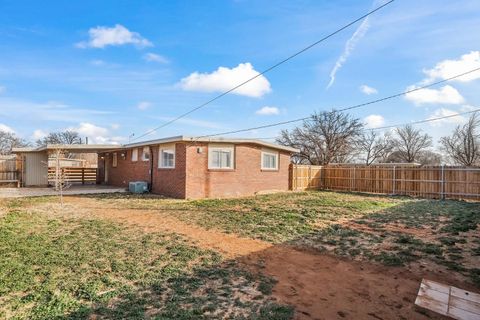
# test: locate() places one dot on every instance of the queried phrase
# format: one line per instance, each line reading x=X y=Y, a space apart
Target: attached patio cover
x=75 y=148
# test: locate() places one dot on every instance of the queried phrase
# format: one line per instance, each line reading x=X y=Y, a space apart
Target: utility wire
x=342 y=109
x=393 y=125
x=426 y=120
x=264 y=71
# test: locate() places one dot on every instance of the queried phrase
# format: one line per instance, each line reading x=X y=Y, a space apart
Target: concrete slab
x=73 y=190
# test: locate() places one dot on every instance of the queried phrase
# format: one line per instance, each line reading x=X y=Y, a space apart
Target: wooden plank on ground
x=449 y=301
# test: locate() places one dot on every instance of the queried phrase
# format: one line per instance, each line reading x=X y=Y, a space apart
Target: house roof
x=85 y=148
x=211 y=140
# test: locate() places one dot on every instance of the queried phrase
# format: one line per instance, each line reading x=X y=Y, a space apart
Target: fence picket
x=441 y=182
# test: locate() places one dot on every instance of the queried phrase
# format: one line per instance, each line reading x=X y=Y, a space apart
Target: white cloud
x=114 y=126
x=267 y=111
x=368 y=90
x=39 y=134
x=446 y=95
x=467 y=108
x=449 y=68
x=2 y=89
x=100 y=37
x=443 y=112
x=374 y=121
x=224 y=79
x=144 y=105
x=153 y=57
x=5 y=128
x=96 y=134
x=349 y=46
x=32 y=112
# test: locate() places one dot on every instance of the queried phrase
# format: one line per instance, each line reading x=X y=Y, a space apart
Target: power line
x=343 y=109
x=426 y=120
x=265 y=71
x=394 y=125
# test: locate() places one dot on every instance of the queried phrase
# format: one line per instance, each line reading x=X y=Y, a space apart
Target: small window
x=134 y=154
x=146 y=154
x=269 y=160
x=166 y=157
x=220 y=157
x=114 y=160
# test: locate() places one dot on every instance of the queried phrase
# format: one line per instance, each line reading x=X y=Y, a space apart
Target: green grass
x=275 y=218
x=314 y=219
x=62 y=268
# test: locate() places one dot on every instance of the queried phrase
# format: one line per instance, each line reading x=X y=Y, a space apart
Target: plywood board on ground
x=449 y=301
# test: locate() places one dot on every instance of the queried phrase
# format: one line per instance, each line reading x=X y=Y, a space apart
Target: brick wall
x=169 y=182
x=245 y=179
x=191 y=177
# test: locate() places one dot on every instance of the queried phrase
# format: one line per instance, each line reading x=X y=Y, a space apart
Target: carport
x=34 y=169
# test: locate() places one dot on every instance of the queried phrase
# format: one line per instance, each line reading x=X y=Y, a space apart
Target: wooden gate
x=10 y=170
x=74 y=175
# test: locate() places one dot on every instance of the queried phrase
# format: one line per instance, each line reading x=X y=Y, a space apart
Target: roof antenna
x=130 y=137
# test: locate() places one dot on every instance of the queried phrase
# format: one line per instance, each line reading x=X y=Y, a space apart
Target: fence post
x=393 y=181
x=309 y=176
x=353 y=182
x=443 y=183
x=83 y=175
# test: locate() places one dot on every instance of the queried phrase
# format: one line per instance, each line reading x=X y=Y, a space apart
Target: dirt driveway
x=319 y=286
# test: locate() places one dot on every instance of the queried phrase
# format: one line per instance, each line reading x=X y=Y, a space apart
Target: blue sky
x=109 y=69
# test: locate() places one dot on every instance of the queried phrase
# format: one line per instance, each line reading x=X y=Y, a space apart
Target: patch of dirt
x=230 y=245
x=325 y=287
x=319 y=286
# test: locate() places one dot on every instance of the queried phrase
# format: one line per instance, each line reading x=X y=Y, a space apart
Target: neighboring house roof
x=107 y=147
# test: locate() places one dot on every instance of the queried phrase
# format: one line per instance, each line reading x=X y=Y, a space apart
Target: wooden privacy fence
x=74 y=175
x=438 y=182
x=10 y=170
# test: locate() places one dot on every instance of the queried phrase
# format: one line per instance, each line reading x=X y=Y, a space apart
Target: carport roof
x=80 y=148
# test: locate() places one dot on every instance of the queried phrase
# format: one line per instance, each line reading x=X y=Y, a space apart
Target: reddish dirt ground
x=319 y=286
x=326 y=287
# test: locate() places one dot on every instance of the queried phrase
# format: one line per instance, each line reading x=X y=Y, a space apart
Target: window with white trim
x=146 y=154
x=134 y=154
x=269 y=160
x=221 y=157
x=114 y=160
x=166 y=157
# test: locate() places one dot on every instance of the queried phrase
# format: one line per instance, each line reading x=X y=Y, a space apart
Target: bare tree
x=9 y=140
x=328 y=137
x=463 y=146
x=61 y=137
x=373 y=147
x=428 y=157
x=60 y=180
x=409 y=142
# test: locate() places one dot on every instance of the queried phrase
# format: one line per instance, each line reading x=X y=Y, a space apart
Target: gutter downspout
x=151 y=169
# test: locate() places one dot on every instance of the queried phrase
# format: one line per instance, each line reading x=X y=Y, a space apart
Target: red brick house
x=183 y=167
